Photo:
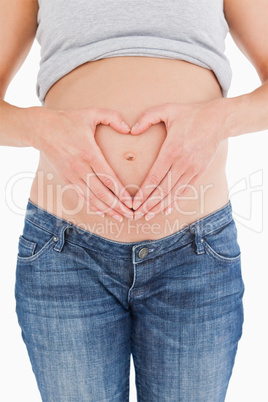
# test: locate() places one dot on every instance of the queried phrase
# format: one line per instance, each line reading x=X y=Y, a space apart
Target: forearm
x=18 y=126
x=246 y=113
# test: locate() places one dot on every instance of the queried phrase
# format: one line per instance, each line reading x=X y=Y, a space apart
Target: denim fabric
x=85 y=304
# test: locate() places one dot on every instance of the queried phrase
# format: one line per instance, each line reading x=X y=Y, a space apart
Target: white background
x=247 y=170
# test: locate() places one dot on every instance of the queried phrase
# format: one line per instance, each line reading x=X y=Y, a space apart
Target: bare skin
x=130 y=85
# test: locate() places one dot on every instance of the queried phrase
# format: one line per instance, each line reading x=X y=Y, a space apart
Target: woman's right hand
x=67 y=139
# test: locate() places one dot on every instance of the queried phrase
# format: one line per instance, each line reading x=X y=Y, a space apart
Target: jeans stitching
x=218 y=227
x=40 y=227
x=218 y=256
x=39 y=253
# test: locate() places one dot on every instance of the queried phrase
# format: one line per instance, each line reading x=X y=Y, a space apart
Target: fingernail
x=136 y=204
x=124 y=124
x=128 y=203
x=169 y=210
x=138 y=215
x=135 y=126
x=149 y=216
x=100 y=213
x=118 y=218
x=129 y=216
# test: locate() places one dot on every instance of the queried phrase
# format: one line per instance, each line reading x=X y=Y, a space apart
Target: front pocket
x=34 y=242
x=222 y=243
x=26 y=247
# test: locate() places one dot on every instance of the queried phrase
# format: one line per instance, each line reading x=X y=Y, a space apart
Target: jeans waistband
x=64 y=229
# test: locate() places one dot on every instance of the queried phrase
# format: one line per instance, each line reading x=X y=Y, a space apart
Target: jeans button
x=143 y=252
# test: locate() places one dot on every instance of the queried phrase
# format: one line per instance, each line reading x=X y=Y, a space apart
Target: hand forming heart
x=194 y=132
x=79 y=161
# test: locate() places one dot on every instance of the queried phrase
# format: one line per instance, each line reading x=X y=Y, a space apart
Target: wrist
x=227 y=111
x=236 y=112
x=33 y=121
x=26 y=118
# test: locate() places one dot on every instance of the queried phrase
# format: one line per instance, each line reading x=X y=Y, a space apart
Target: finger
x=111 y=118
x=185 y=181
x=105 y=195
x=151 y=116
x=156 y=174
x=165 y=186
x=94 y=203
x=109 y=178
x=186 y=189
x=163 y=190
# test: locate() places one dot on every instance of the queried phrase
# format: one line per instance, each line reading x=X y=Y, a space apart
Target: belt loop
x=196 y=229
x=60 y=237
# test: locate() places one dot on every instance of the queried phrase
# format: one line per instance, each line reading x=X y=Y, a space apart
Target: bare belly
x=131 y=85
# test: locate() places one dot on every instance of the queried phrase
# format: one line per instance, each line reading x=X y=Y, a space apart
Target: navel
x=129 y=156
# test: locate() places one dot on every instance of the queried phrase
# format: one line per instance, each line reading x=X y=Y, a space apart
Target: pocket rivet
x=55 y=238
x=202 y=240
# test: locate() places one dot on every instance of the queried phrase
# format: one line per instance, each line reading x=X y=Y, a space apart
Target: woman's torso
x=131 y=85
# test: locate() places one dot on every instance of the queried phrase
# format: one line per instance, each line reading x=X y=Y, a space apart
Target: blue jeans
x=85 y=304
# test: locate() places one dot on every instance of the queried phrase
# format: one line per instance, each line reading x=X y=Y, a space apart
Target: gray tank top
x=74 y=32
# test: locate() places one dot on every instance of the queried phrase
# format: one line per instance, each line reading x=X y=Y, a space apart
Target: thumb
x=112 y=118
x=150 y=117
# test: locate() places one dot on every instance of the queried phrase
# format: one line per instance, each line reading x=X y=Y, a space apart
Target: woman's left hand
x=194 y=132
